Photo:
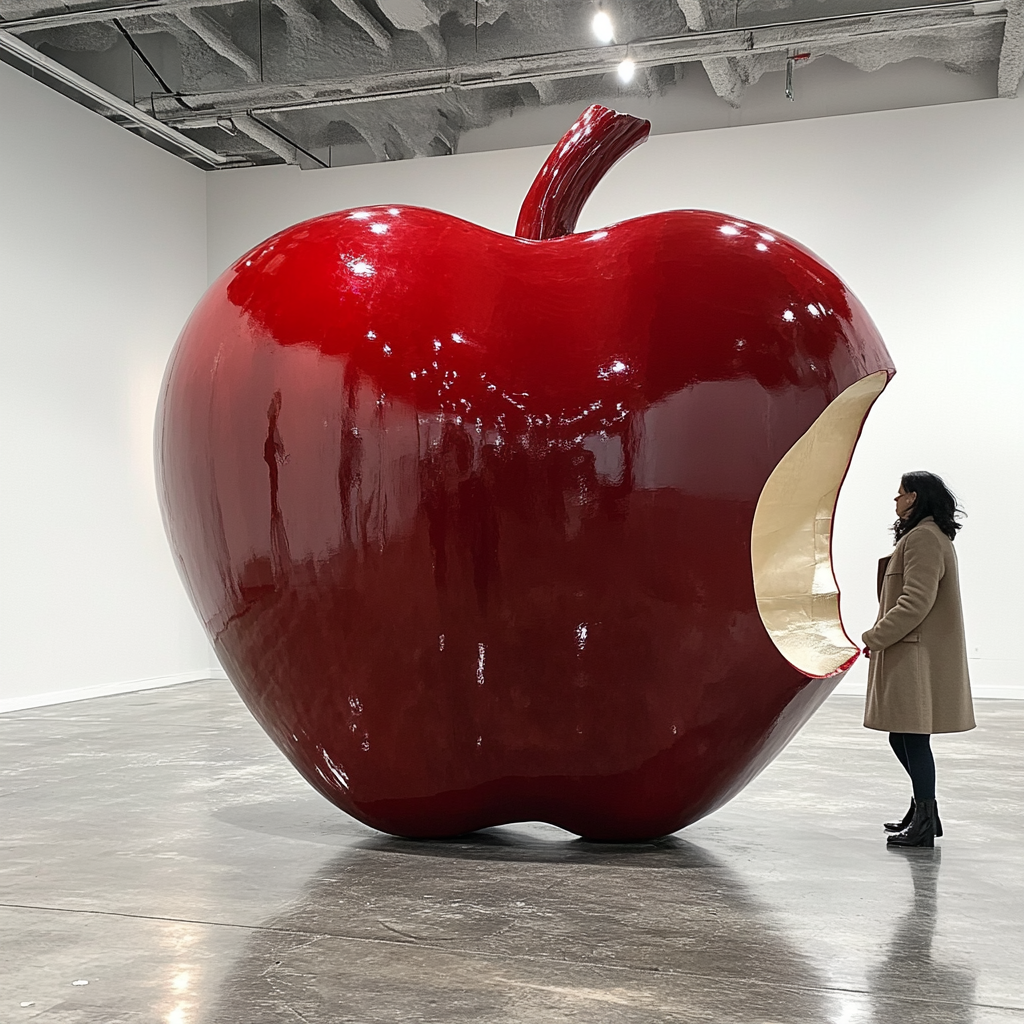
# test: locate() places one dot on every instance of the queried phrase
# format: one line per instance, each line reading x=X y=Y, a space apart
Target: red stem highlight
x=585 y=154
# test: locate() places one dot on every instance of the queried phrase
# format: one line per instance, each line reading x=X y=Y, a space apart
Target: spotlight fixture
x=603 y=28
x=626 y=70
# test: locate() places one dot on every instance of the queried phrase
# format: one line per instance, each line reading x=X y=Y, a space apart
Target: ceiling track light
x=602 y=26
x=626 y=71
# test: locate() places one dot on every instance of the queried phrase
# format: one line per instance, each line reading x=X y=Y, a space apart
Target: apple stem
x=585 y=154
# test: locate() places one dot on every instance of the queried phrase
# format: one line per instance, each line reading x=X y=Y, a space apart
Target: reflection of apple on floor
x=517 y=924
x=490 y=528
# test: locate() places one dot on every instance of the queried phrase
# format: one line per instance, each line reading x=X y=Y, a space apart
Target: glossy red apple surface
x=468 y=516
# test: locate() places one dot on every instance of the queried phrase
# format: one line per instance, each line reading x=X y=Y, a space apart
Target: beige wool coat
x=917 y=672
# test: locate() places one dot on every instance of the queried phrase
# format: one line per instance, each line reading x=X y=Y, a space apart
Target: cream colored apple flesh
x=791 y=538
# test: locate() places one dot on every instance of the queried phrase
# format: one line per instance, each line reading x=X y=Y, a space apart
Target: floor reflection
x=514 y=924
x=909 y=968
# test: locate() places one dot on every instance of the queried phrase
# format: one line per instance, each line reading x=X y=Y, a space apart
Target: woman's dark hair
x=934 y=499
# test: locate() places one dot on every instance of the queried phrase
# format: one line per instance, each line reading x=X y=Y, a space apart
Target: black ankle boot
x=899 y=826
x=921 y=831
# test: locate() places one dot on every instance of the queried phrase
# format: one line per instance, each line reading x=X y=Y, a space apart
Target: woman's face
x=905 y=502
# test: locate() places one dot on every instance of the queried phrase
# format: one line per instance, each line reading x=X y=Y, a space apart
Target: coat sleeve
x=923 y=567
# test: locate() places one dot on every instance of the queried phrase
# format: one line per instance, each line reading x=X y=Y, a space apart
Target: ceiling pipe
x=20 y=55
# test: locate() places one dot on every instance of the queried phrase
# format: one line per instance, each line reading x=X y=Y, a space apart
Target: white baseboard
x=850 y=688
x=854 y=689
x=999 y=692
x=991 y=678
x=42 y=700
x=997 y=677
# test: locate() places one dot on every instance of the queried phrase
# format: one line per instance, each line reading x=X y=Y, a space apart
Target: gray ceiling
x=329 y=82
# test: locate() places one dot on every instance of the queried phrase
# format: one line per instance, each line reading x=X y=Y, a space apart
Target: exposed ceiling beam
x=217 y=38
x=416 y=16
x=722 y=72
x=358 y=14
x=264 y=137
x=299 y=19
x=22 y=56
x=1011 y=54
x=816 y=34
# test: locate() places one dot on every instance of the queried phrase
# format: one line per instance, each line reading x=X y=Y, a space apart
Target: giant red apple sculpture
x=489 y=528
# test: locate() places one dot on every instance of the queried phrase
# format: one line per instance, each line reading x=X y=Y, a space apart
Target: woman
x=917 y=672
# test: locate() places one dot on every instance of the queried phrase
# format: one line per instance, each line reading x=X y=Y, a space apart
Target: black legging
x=914 y=751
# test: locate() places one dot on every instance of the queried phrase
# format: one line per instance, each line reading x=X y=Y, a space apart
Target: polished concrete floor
x=161 y=862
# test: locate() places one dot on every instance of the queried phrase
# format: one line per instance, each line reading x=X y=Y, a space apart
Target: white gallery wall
x=102 y=255
x=920 y=210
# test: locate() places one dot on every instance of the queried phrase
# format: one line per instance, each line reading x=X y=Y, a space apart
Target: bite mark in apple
x=791 y=537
